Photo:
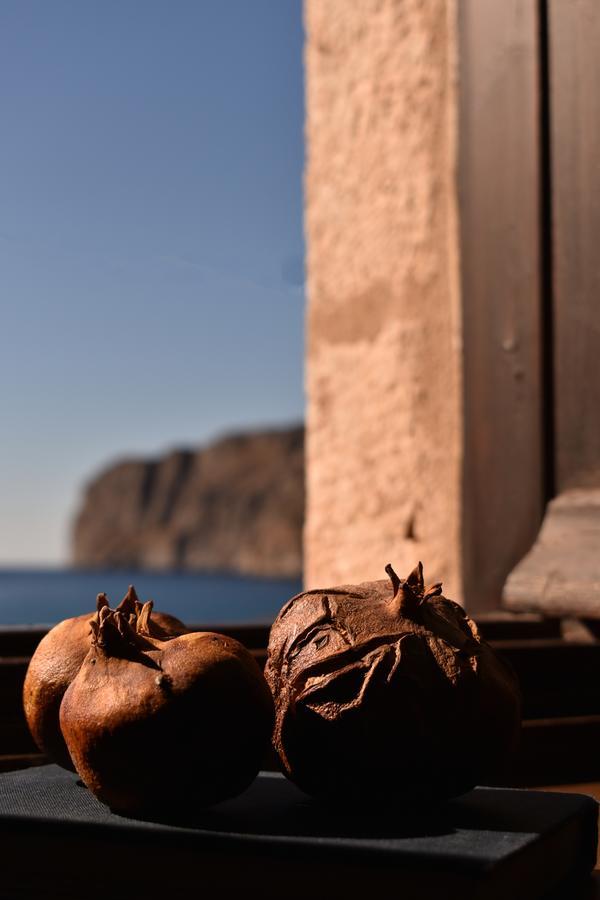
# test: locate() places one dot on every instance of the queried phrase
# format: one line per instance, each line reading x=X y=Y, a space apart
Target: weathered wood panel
x=574 y=51
x=499 y=199
x=562 y=572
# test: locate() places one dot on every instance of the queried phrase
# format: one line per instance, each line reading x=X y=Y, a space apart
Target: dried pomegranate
x=56 y=662
x=385 y=690
x=157 y=725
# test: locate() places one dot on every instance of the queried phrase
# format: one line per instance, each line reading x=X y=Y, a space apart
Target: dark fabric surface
x=485 y=832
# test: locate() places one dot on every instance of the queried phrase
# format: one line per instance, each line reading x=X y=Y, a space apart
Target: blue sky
x=151 y=245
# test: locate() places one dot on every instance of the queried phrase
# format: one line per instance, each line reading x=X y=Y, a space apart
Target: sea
x=44 y=597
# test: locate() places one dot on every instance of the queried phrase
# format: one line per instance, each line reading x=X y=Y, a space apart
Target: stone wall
x=384 y=437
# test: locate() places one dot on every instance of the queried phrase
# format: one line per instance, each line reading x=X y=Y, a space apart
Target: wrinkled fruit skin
x=55 y=663
x=167 y=726
x=386 y=692
x=53 y=666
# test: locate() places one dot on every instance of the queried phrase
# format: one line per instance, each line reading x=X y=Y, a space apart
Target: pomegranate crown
x=124 y=626
x=409 y=594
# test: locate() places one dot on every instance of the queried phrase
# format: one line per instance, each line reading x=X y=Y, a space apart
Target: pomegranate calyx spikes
x=409 y=602
x=123 y=626
x=415 y=579
x=129 y=602
x=405 y=603
x=393 y=578
x=143 y=619
x=101 y=601
x=112 y=632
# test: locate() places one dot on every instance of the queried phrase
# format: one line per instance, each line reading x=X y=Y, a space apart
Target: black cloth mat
x=273 y=841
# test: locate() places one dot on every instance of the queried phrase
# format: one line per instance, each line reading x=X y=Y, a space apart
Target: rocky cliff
x=237 y=505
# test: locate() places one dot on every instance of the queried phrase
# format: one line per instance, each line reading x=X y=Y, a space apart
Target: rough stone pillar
x=428 y=308
x=384 y=441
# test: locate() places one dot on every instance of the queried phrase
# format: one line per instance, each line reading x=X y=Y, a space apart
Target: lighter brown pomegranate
x=56 y=662
x=165 y=725
x=385 y=691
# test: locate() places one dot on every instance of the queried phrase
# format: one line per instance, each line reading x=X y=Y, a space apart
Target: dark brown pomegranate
x=386 y=691
x=169 y=725
x=56 y=662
